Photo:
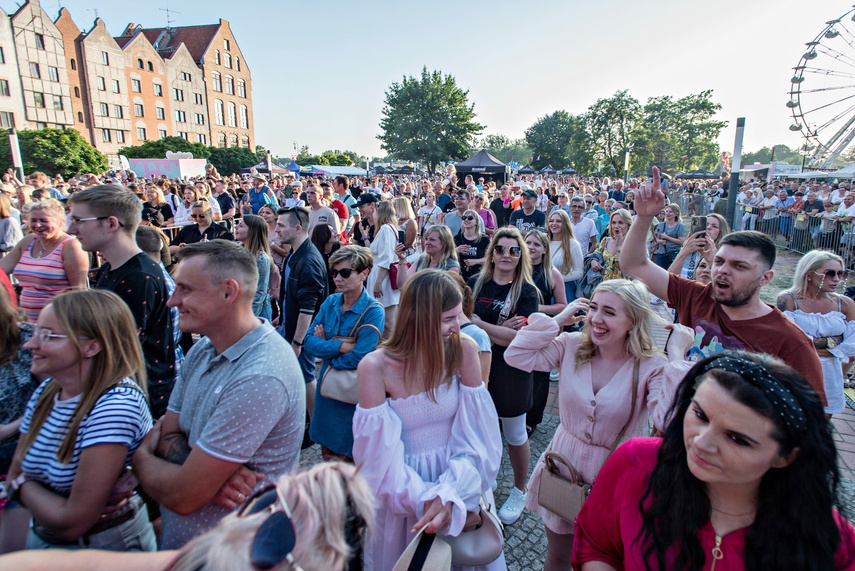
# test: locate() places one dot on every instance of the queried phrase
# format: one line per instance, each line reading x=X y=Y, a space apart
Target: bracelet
x=297 y=343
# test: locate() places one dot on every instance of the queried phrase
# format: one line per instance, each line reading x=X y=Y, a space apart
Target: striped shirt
x=120 y=416
x=41 y=279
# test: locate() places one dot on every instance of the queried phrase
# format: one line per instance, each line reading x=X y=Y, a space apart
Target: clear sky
x=320 y=69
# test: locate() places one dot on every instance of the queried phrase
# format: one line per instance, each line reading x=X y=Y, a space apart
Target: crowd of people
x=169 y=347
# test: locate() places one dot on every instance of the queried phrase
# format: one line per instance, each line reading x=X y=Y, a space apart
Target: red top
x=610 y=521
x=772 y=333
x=7 y=284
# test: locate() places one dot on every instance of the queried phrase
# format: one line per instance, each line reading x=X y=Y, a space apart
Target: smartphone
x=701 y=225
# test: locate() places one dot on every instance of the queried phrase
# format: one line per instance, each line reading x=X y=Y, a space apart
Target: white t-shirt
x=323 y=215
x=583 y=230
x=431 y=215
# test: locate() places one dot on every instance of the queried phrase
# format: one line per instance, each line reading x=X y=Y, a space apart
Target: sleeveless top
x=41 y=279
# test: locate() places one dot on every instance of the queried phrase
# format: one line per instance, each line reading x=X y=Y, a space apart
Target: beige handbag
x=340 y=384
x=565 y=496
x=480 y=546
x=425 y=553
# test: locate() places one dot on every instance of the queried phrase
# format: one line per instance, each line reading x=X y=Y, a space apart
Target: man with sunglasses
x=727 y=313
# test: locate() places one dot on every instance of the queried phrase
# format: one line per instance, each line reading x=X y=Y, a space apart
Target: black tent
x=547 y=170
x=483 y=164
x=526 y=170
x=569 y=170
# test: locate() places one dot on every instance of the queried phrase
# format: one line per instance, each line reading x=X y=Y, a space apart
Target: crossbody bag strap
x=361 y=316
x=506 y=308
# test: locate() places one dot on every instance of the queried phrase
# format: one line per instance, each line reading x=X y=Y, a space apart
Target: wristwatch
x=14 y=487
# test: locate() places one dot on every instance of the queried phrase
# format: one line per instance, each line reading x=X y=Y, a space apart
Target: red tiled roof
x=196 y=38
x=124 y=40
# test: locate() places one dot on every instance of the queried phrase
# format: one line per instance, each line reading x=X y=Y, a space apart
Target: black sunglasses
x=831 y=274
x=515 y=251
x=275 y=539
x=344 y=273
x=467 y=218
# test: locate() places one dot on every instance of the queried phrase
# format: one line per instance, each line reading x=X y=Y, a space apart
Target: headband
x=782 y=399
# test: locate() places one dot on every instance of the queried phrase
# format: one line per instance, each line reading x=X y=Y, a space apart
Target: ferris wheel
x=822 y=92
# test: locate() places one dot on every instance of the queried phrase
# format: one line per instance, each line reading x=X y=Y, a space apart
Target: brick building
x=147 y=88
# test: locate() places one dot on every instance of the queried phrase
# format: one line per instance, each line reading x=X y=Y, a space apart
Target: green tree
x=549 y=139
x=157 y=149
x=260 y=153
x=611 y=123
x=694 y=130
x=505 y=149
x=54 y=151
x=782 y=153
x=340 y=160
x=232 y=159
x=428 y=120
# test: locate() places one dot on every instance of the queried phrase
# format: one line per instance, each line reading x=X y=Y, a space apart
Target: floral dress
x=611 y=266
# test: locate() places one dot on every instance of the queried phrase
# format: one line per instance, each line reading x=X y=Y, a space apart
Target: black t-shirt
x=491 y=299
x=811 y=206
x=190 y=234
x=226 y=202
x=524 y=223
x=477 y=249
x=497 y=205
x=141 y=285
x=360 y=231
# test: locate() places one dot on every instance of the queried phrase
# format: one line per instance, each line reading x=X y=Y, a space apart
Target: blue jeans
x=664 y=260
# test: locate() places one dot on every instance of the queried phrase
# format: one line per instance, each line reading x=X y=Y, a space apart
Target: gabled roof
x=195 y=38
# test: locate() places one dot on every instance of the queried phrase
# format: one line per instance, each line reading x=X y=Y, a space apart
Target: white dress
x=383 y=248
x=411 y=450
x=829 y=325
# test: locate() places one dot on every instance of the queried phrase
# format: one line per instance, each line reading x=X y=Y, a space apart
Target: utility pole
x=735 y=167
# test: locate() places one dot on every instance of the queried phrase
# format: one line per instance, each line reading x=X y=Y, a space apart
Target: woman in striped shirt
x=47 y=261
x=81 y=427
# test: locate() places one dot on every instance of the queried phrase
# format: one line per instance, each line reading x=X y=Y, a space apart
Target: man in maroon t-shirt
x=728 y=312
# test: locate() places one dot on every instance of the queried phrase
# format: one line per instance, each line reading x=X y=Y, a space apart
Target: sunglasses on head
x=515 y=251
x=275 y=539
x=831 y=274
x=467 y=218
x=344 y=273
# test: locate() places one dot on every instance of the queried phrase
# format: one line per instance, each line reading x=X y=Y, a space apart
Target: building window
x=160 y=112
x=35 y=71
x=230 y=85
x=183 y=135
x=228 y=61
x=162 y=133
x=105 y=58
x=178 y=94
x=41 y=125
x=244 y=142
x=180 y=117
x=105 y=110
x=72 y=62
x=40 y=41
x=116 y=87
x=149 y=66
x=4 y=87
x=233 y=141
x=77 y=92
x=218 y=110
x=216 y=81
x=3 y=55
x=57 y=102
x=39 y=99
x=80 y=117
x=186 y=76
x=232 y=115
x=53 y=73
x=136 y=86
x=7 y=120
x=237 y=63
x=158 y=90
x=241 y=88
x=217 y=57
x=221 y=140
x=199 y=119
x=141 y=133
x=140 y=63
x=102 y=84
x=227 y=45
x=197 y=99
x=120 y=136
x=105 y=135
x=138 y=110
x=244 y=117
x=202 y=138
x=119 y=111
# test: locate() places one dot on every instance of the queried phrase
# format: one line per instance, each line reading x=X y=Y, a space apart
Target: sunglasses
x=275 y=539
x=831 y=274
x=344 y=273
x=515 y=251
x=467 y=218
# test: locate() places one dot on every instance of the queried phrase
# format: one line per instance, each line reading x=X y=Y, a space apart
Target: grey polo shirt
x=247 y=406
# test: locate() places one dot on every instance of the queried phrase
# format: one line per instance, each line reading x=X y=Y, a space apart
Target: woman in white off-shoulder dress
x=426 y=433
x=597 y=368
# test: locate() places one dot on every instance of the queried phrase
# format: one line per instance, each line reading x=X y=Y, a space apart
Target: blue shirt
x=784 y=204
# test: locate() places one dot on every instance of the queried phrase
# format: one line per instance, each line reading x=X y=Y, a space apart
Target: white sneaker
x=513 y=507
x=495 y=485
x=553 y=375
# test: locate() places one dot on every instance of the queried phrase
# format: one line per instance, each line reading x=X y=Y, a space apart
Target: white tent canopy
x=335 y=171
x=846 y=172
x=810 y=174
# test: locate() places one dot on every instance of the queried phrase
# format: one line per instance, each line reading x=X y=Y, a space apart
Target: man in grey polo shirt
x=237 y=412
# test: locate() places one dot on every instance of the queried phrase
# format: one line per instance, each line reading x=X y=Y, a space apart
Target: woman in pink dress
x=597 y=368
x=48 y=261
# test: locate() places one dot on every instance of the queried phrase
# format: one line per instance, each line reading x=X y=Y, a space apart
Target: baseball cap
x=530 y=193
x=366 y=198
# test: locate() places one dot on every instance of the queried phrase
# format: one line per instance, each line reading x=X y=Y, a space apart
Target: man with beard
x=728 y=312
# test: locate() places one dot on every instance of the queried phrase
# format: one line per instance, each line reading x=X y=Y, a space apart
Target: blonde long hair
x=417 y=338
x=522 y=274
x=808 y=264
x=257 y=240
x=546 y=262
x=449 y=252
x=636 y=301
x=102 y=316
x=567 y=234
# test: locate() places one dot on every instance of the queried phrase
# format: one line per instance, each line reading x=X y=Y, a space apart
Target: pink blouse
x=41 y=279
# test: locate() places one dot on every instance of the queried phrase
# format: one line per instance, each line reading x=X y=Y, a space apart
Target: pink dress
x=589 y=422
x=41 y=279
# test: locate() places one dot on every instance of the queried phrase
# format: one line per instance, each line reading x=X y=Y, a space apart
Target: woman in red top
x=745 y=478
